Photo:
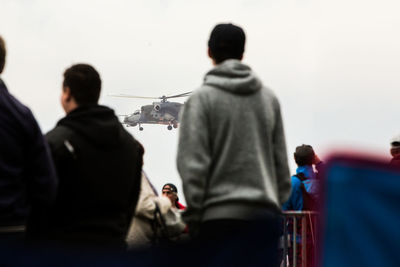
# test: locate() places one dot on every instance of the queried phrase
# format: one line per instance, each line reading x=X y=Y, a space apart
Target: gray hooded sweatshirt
x=232 y=153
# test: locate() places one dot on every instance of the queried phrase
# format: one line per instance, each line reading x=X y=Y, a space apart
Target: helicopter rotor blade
x=150 y=97
x=133 y=96
x=180 y=95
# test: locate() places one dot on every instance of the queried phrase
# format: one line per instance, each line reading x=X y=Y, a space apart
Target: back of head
x=172 y=193
x=395 y=146
x=226 y=42
x=304 y=155
x=170 y=187
x=84 y=83
x=2 y=54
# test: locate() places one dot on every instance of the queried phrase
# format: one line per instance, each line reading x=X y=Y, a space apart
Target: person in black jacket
x=98 y=163
x=27 y=176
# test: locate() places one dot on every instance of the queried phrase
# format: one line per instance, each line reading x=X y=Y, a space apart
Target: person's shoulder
x=202 y=92
x=127 y=136
x=130 y=142
x=13 y=101
x=296 y=182
x=23 y=115
x=58 y=134
x=269 y=94
x=199 y=97
x=18 y=107
x=23 y=109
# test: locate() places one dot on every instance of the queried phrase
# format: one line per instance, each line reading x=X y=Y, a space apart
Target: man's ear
x=211 y=56
x=67 y=93
x=209 y=53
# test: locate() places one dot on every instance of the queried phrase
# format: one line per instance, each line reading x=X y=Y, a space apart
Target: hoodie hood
x=307 y=170
x=96 y=124
x=233 y=76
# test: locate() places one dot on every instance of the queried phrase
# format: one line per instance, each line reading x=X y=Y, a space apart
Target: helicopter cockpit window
x=136 y=112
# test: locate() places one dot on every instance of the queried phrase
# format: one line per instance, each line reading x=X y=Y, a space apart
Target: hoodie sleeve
x=280 y=157
x=194 y=156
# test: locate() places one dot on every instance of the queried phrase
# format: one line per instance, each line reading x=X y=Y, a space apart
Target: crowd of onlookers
x=82 y=184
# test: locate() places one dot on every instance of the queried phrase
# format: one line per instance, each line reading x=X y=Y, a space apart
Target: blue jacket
x=295 y=201
x=27 y=176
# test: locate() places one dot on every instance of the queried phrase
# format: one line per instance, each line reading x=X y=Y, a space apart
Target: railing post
x=315 y=244
x=285 y=241
x=303 y=240
x=294 y=241
x=308 y=232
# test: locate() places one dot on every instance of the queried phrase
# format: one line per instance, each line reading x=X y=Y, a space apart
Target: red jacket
x=180 y=206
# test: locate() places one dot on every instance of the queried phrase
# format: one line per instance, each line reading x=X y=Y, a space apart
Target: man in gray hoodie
x=232 y=153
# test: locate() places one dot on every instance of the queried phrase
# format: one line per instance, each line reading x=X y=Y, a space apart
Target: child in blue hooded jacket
x=305 y=181
x=304 y=196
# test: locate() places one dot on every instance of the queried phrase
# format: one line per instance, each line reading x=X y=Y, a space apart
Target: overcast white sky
x=333 y=64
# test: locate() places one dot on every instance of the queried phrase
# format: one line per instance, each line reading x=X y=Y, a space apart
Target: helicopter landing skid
x=173 y=124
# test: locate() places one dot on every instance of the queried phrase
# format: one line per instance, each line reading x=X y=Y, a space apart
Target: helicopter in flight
x=162 y=112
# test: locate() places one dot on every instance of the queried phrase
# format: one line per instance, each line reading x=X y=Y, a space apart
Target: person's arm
x=318 y=163
x=288 y=204
x=42 y=181
x=194 y=157
x=295 y=201
x=297 y=194
x=137 y=179
x=280 y=157
x=147 y=201
x=174 y=224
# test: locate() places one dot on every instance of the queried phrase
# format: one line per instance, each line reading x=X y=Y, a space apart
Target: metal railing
x=299 y=235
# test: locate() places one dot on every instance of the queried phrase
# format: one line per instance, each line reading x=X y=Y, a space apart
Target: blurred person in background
x=155 y=221
x=305 y=185
x=304 y=197
x=395 y=150
x=171 y=191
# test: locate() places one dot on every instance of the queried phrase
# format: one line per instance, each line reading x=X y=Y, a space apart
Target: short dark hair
x=226 y=42
x=2 y=54
x=84 y=82
x=172 y=187
x=304 y=155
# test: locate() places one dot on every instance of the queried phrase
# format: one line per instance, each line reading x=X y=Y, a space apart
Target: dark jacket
x=99 y=166
x=27 y=176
